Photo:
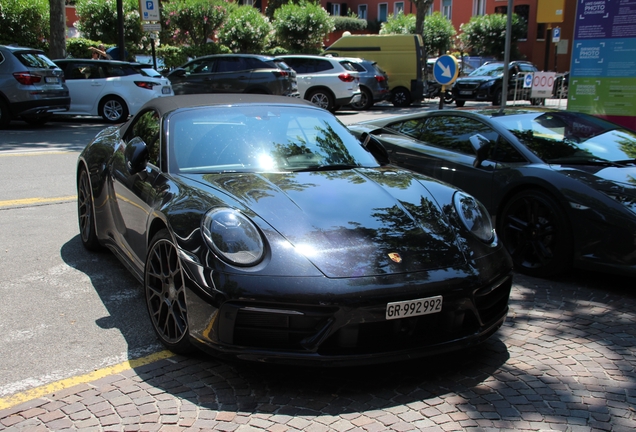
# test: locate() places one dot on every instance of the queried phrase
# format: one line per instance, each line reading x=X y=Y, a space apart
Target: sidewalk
x=564 y=360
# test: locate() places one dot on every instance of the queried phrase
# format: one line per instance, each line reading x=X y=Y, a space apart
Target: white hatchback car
x=111 y=89
x=328 y=82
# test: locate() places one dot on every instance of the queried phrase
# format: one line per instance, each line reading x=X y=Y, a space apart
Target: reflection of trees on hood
x=254 y=187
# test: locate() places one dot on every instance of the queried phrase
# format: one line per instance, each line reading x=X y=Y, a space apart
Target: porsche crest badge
x=395 y=257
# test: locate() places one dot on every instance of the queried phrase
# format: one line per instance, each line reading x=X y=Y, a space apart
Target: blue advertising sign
x=603 y=70
x=446 y=70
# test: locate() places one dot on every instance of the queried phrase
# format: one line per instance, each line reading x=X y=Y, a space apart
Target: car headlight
x=487 y=84
x=474 y=216
x=233 y=237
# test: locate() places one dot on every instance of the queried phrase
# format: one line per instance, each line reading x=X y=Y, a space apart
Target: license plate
x=465 y=92
x=51 y=80
x=165 y=90
x=409 y=308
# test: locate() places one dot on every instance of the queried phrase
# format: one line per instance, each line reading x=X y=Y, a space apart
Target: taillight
x=146 y=84
x=27 y=78
x=280 y=73
x=346 y=77
x=380 y=78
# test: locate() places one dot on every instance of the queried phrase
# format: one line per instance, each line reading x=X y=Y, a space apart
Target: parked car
x=234 y=73
x=561 y=185
x=271 y=234
x=32 y=88
x=400 y=55
x=374 y=83
x=328 y=82
x=111 y=89
x=486 y=84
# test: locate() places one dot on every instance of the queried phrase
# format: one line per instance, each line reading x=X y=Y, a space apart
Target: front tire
x=323 y=99
x=113 y=109
x=366 y=100
x=535 y=231
x=86 y=213
x=401 y=97
x=496 y=100
x=164 y=287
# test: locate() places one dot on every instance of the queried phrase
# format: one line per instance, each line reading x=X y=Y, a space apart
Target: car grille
x=303 y=329
x=466 y=86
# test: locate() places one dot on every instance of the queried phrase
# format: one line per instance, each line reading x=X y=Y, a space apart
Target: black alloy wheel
x=534 y=229
x=401 y=98
x=86 y=212
x=164 y=287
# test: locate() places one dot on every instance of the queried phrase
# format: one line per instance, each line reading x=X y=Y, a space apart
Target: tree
x=420 y=14
x=57 y=39
x=245 y=30
x=437 y=33
x=97 y=20
x=302 y=27
x=486 y=34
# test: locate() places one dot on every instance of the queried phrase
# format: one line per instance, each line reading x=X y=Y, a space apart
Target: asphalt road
x=564 y=360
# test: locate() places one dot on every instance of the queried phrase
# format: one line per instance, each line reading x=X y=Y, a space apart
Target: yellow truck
x=400 y=55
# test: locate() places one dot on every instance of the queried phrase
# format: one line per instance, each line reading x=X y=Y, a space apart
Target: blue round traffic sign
x=527 y=83
x=446 y=70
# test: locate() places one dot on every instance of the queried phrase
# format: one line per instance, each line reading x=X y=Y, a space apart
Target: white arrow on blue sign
x=446 y=70
x=527 y=81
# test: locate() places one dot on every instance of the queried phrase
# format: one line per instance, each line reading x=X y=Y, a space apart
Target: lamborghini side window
x=147 y=127
x=453 y=133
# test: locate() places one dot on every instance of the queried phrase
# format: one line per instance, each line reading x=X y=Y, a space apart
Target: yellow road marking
x=44 y=390
x=28 y=201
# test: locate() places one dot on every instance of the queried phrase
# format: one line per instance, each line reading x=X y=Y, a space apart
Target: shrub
x=302 y=27
x=193 y=22
x=349 y=23
x=245 y=30
x=25 y=22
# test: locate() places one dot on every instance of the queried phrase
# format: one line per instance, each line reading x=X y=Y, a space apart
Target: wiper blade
x=334 y=167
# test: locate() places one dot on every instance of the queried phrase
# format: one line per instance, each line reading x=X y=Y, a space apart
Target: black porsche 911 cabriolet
x=262 y=229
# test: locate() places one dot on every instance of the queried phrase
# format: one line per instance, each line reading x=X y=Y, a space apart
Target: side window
x=230 y=64
x=322 y=65
x=453 y=133
x=203 y=66
x=148 y=128
x=412 y=128
x=299 y=65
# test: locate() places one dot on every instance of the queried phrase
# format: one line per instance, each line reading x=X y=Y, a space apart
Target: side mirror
x=136 y=155
x=482 y=146
x=375 y=147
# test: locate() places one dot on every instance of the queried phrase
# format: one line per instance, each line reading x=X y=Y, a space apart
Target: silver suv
x=32 y=87
x=329 y=82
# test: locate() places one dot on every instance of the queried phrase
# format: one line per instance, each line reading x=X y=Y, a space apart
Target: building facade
x=536 y=47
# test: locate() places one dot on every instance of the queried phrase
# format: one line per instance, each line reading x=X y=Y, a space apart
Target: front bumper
x=338 y=322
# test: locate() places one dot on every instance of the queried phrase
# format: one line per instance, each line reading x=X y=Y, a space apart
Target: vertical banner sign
x=149 y=10
x=603 y=70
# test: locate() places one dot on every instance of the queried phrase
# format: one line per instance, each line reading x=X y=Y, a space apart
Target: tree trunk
x=57 y=40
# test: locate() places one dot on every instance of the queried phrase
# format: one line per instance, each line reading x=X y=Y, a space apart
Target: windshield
x=492 y=69
x=565 y=137
x=260 y=138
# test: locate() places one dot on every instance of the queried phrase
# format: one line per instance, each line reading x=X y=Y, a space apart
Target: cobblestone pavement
x=564 y=360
